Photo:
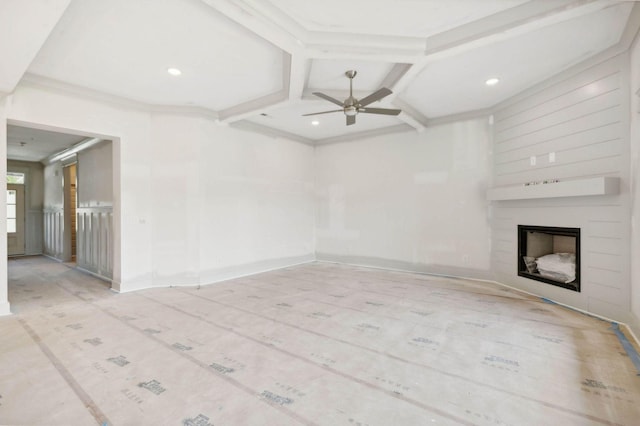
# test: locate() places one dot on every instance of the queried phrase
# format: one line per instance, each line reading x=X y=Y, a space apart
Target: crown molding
x=38 y=81
x=249 y=108
x=400 y=128
x=189 y=111
x=269 y=131
x=462 y=116
x=95 y=95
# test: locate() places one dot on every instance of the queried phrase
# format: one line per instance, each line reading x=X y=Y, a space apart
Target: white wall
x=635 y=183
x=257 y=197
x=412 y=201
x=227 y=202
x=582 y=116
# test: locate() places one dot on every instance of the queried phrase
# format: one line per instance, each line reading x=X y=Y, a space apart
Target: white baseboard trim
x=634 y=328
x=403 y=266
x=214 y=276
x=247 y=269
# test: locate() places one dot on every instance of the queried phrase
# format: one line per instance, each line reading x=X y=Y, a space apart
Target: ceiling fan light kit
x=352 y=107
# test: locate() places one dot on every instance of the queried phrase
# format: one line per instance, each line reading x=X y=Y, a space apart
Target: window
x=15 y=178
x=11 y=211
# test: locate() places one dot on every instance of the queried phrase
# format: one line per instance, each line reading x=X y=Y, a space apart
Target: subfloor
x=316 y=344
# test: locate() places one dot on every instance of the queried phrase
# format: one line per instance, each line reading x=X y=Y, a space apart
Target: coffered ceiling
x=254 y=64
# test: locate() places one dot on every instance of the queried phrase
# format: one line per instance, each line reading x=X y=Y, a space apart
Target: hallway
x=317 y=343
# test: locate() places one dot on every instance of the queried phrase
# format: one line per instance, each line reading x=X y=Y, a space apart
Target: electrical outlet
x=532 y=160
x=552 y=157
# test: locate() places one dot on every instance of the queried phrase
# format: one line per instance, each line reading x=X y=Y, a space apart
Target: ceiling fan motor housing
x=350 y=110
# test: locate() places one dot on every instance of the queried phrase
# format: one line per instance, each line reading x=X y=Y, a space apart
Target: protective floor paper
x=315 y=344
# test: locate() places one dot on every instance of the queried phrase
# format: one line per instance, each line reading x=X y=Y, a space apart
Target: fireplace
x=550 y=255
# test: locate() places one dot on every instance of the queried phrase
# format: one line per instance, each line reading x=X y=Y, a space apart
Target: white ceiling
x=244 y=58
x=124 y=47
x=407 y=18
x=29 y=144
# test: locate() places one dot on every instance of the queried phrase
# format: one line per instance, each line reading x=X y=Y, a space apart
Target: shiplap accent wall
x=582 y=117
x=94 y=242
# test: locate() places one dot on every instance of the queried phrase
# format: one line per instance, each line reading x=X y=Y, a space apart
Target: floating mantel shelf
x=570 y=188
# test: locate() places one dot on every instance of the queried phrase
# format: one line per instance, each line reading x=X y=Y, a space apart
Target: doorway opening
x=70 y=206
x=70 y=193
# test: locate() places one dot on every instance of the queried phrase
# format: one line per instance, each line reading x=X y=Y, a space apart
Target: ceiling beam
x=243 y=13
x=297 y=75
x=510 y=23
x=410 y=115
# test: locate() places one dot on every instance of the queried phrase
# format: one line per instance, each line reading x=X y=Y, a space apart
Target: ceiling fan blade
x=384 y=111
x=351 y=119
x=323 y=112
x=328 y=98
x=375 y=96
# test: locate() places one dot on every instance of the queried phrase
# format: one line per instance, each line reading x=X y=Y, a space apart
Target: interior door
x=15 y=219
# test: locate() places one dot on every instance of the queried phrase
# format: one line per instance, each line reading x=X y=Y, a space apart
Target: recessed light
x=315 y=122
x=174 y=71
x=492 y=81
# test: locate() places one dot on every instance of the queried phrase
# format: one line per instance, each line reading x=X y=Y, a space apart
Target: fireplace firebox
x=550 y=255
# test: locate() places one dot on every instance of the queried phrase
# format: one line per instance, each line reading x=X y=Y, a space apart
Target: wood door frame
x=68 y=210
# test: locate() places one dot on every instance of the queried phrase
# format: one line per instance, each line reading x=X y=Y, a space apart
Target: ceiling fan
x=352 y=107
